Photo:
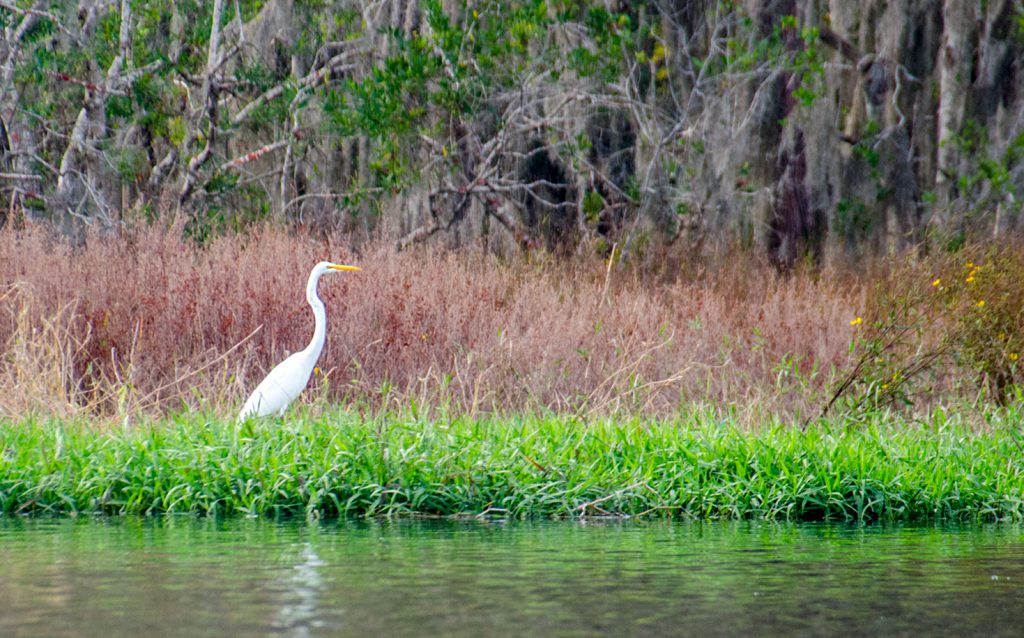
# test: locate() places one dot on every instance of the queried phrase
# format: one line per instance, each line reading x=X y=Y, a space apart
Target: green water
x=186 y=577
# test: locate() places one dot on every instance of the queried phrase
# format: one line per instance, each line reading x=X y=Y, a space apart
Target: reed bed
x=346 y=464
x=143 y=323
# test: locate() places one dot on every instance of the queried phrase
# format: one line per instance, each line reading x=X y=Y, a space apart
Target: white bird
x=290 y=377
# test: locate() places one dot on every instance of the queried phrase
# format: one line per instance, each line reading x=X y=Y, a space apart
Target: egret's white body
x=288 y=378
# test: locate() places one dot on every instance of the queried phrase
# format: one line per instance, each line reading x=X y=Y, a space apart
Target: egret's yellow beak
x=341 y=267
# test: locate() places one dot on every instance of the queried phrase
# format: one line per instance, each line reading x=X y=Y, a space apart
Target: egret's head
x=322 y=268
x=326 y=267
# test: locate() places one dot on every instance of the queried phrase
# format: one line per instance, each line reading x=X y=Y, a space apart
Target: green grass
x=342 y=464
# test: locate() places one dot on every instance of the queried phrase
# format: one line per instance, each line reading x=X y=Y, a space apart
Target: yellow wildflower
x=1014 y=356
x=969 y=279
x=856 y=322
x=936 y=282
x=981 y=303
x=659 y=53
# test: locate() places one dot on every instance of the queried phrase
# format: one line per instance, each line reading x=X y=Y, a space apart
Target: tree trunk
x=954 y=80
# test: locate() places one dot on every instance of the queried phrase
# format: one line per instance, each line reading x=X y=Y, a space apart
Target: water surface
x=187 y=577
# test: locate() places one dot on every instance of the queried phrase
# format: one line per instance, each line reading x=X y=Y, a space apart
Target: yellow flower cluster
x=972 y=270
x=659 y=53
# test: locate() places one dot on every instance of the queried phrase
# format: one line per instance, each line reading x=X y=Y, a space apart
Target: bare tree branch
x=210 y=101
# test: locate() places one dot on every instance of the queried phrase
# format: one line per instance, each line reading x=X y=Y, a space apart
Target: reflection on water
x=186 y=577
x=305 y=583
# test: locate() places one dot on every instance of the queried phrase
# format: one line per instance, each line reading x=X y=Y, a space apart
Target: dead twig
x=584 y=507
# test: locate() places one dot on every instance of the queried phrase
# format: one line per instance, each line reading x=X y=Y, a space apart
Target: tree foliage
x=795 y=127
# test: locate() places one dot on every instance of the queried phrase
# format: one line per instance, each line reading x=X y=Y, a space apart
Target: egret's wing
x=279 y=388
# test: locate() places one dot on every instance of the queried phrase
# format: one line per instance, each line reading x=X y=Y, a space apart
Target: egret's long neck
x=319 y=315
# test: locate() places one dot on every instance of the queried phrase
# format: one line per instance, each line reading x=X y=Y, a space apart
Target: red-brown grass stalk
x=146 y=322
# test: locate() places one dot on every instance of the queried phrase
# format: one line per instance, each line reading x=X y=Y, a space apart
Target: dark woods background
x=798 y=129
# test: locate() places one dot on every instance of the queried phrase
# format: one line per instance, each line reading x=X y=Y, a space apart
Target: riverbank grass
x=344 y=464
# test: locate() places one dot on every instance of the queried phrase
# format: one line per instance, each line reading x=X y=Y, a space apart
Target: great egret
x=289 y=377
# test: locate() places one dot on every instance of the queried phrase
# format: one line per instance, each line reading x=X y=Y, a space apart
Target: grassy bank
x=341 y=464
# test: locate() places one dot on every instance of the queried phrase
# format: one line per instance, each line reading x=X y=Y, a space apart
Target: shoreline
x=342 y=465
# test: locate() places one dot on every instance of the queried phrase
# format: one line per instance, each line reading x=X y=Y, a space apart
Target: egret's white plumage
x=289 y=377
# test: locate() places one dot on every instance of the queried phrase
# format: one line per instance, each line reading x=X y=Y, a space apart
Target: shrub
x=985 y=297
x=926 y=321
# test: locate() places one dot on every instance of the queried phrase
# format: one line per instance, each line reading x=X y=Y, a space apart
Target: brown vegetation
x=145 y=321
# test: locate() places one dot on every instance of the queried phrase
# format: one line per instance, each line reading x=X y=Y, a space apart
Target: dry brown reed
x=143 y=321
